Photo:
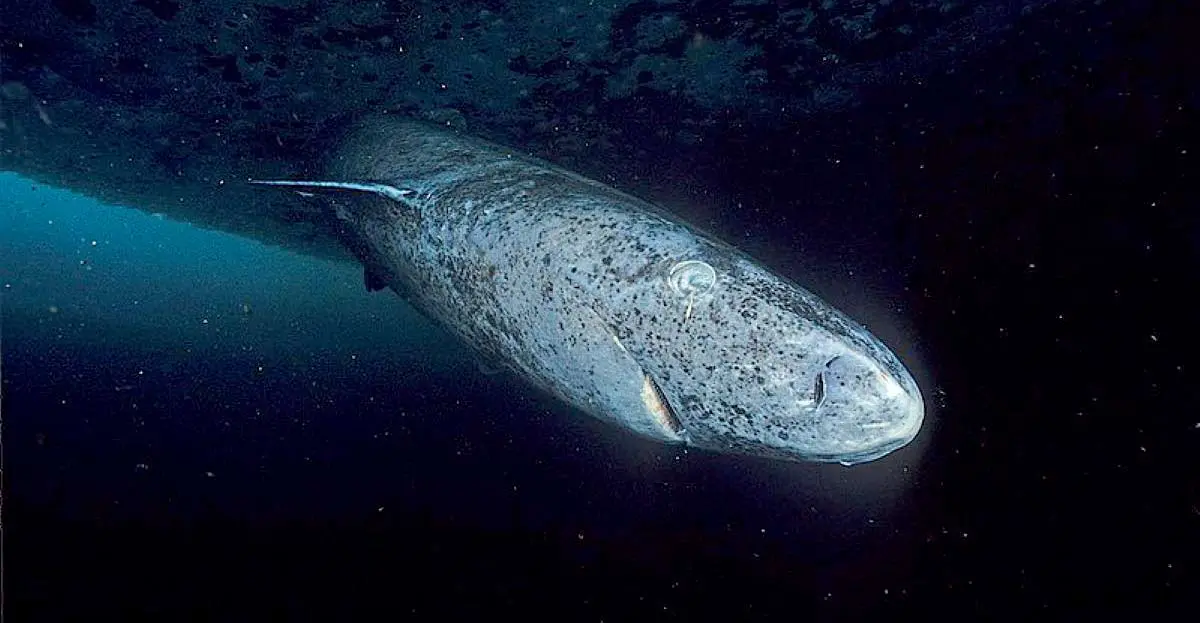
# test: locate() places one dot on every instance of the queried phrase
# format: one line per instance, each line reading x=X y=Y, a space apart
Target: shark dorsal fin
x=395 y=193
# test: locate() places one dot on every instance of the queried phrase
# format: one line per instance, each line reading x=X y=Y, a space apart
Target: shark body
x=609 y=303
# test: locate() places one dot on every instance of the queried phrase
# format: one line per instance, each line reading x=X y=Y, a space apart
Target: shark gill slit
x=652 y=395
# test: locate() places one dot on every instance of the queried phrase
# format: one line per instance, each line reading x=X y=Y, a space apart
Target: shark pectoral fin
x=595 y=369
x=660 y=409
x=399 y=194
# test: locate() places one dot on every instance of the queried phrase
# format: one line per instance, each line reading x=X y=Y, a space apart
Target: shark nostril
x=819 y=391
x=819 y=386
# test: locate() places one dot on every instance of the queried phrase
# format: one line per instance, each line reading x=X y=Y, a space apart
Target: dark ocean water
x=197 y=426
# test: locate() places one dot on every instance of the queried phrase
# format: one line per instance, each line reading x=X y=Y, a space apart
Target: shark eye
x=692 y=278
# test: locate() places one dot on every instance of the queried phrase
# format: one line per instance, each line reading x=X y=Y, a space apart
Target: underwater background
x=206 y=416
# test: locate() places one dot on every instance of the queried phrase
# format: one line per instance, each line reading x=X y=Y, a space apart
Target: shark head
x=747 y=362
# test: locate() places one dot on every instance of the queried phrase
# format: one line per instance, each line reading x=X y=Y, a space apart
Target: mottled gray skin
x=612 y=305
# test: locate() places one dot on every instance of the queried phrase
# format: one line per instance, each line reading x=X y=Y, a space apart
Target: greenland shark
x=609 y=303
